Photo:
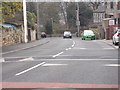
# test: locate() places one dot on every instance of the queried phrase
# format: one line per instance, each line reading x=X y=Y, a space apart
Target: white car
x=67 y=34
x=116 y=37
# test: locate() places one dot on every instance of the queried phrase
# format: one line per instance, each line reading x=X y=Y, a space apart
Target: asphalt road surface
x=66 y=63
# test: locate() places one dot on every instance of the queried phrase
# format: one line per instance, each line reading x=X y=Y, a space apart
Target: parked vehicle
x=67 y=34
x=88 y=34
x=43 y=35
x=116 y=36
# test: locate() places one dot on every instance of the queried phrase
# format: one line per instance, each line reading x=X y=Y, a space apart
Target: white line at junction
x=81 y=59
x=30 y=69
x=112 y=65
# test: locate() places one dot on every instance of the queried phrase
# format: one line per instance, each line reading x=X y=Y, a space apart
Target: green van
x=88 y=34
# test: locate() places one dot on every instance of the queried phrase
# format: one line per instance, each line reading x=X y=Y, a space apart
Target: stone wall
x=11 y=36
x=14 y=36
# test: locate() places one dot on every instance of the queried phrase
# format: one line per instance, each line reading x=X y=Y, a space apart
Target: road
x=63 y=63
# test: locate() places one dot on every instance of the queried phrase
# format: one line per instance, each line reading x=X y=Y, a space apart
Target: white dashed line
x=58 y=54
x=69 y=48
x=66 y=49
x=74 y=42
x=30 y=69
x=72 y=45
x=112 y=65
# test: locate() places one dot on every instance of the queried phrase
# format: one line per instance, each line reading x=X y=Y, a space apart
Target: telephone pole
x=78 y=21
x=25 y=21
x=38 y=21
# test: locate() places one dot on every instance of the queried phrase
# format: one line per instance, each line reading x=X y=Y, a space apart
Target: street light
x=78 y=21
x=25 y=21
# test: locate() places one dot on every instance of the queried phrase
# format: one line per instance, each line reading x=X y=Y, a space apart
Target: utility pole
x=38 y=22
x=78 y=21
x=25 y=21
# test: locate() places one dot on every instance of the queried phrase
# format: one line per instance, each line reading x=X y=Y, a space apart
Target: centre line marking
x=66 y=49
x=58 y=54
x=74 y=42
x=73 y=45
x=30 y=69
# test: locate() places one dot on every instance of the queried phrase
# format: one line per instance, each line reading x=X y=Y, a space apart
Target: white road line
x=30 y=69
x=58 y=54
x=54 y=64
x=27 y=59
x=82 y=59
x=2 y=60
x=66 y=49
x=82 y=48
x=112 y=65
x=69 y=48
x=108 y=48
x=74 y=42
x=73 y=45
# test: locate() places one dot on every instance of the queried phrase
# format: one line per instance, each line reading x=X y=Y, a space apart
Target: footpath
x=109 y=42
x=23 y=46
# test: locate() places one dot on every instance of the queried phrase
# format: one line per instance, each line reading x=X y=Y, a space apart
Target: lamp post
x=25 y=21
x=78 y=21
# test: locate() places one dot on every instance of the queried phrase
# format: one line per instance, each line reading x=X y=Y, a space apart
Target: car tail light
x=118 y=35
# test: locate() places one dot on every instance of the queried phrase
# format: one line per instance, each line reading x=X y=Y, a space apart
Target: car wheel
x=113 y=42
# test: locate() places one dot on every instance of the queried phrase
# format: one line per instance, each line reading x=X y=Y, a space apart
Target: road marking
x=69 y=48
x=2 y=60
x=112 y=65
x=57 y=85
x=80 y=48
x=30 y=69
x=72 y=45
x=108 y=48
x=58 y=54
x=74 y=42
x=66 y=49
x=54 y=64
x=27 y=59
x=81 y=59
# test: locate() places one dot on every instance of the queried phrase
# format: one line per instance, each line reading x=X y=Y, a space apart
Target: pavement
x=109 y=42
x=23 y=46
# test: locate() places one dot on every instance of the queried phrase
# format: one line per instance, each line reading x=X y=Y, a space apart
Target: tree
x=48 y=27
x=85 y=14
x=49 y=11
x=31 y=19
x=9 y=9
x=31 y=7
x=71 y=15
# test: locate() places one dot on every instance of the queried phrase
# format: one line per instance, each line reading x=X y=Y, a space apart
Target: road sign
x=78 y=23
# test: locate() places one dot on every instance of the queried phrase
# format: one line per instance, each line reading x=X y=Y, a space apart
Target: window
x=111 y=5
